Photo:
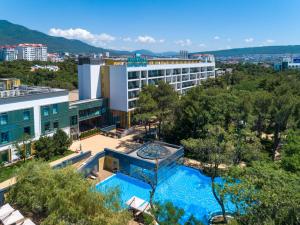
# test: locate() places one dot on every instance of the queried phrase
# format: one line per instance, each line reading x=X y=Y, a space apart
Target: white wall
x=118 y=88
x=89 y=81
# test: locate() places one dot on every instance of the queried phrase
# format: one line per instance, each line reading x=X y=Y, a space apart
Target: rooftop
x=24 y=90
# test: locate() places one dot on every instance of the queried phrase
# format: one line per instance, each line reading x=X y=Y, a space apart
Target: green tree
x=290 y=159
x=264 y=193
x=44 y=148
x=166 y=99
x=281 y=112
x=261 y=110
x=23 y=147
x=61 y=142
x=146 y=106
x=63 y=196
x=214 y=150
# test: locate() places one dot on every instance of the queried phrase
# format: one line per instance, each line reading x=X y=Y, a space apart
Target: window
x=47 y=126
x=55 y=125
x=46 y=111
x=55 y=109
x=3 y=119
x=4 y=137
x=27 y=131
x=73 y=120
x=26 y=115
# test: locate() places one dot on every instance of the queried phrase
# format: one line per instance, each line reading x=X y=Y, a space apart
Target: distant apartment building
x=32 y=52
x=52 y=68
x=287 y=63
x=8 y=53
x=183 y=54
x=121 y=80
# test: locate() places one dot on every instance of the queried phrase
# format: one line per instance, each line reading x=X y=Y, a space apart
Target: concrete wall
x=89 y=81
x=118 y=88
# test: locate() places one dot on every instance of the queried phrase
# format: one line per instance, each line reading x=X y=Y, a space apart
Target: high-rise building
x=31 y=52
x=8 y=53
x=184 y=54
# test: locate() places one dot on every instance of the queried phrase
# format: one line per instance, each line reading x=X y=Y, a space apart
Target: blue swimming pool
x=186 y=188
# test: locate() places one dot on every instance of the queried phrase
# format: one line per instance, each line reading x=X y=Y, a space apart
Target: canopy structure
x=138 y=204
x=10 y=216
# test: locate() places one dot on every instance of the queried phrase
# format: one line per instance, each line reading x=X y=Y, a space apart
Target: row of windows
x=47 y=126
x=157 y=73
x=4 y=117
x=91 y=112
x=5 y=138
x=46 y=110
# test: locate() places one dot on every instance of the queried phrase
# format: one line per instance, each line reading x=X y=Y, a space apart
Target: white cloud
x=249 y=40
x=183 y=43
x=82 y=34
x=127 y=39
x=228 y=39
x=202 y=45
x=270 y=41
x=228 y=47
x=217 y=38
x=161 y=40
x=146 y=39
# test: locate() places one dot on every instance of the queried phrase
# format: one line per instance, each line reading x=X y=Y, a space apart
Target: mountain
x=284 y=49
x=11 y=34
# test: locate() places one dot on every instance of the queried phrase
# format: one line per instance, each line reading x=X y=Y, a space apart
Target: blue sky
x=162 y=25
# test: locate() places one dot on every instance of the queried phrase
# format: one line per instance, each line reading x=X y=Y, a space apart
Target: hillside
x=288 y=49
x=13 y=34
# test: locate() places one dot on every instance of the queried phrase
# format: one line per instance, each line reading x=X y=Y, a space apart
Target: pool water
x=186 y=188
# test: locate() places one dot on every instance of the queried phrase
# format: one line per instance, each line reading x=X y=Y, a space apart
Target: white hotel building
x=121 y=80
x=31 y=52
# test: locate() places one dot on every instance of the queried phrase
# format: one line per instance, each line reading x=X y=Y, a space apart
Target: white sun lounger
x=138 y=204
x=13 y=218
x=5 y=210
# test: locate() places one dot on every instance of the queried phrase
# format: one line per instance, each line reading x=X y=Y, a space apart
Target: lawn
x=11 y=171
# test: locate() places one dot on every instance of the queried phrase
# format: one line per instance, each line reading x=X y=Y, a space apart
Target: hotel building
x=122 y=80
x=8 y=53
x=37 y=111
x=31 y=52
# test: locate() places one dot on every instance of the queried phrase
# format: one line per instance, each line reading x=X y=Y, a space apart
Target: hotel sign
x=136 y=62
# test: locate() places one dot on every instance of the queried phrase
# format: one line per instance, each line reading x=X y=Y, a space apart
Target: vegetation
x=89 y=133
x=250 y=117
x=48 y=147
x=62 y=196
x=65 y=77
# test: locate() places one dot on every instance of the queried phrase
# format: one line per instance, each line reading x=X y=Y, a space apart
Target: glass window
x=73 y=120
x=47 y=126
x=55 y=125
x=3 y=119
x=27 y=130
x=46 y=111
x=4 y=137
x=55 y=109
x=26 y=115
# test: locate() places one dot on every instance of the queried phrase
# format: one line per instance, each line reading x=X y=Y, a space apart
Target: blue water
x=186 y=188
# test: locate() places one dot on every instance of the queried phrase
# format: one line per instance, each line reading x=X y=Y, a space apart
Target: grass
x=11 y=171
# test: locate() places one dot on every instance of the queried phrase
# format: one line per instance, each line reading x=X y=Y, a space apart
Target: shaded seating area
x=10 y=216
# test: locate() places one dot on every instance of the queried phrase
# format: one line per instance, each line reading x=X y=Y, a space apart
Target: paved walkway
x=98 y=142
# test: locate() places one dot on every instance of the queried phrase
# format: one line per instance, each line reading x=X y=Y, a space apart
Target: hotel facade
x=123 y=80
x=108 y=92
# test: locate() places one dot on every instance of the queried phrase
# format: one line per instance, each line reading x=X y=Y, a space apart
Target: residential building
x=183 y=54
x=37 y=111
x=287 y=63
x=47 y=67
x=8 y=53
x=31 y=52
